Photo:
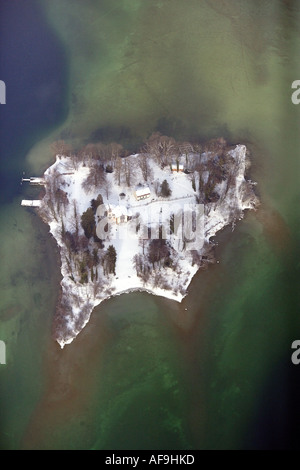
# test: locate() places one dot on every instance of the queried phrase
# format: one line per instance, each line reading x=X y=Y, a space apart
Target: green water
x=145 y=373
x=28 y=295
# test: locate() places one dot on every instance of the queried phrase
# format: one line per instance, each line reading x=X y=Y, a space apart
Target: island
x=138 y=221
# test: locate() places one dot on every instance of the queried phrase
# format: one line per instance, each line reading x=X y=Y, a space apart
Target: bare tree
x=62 y=201
x=156 y=186
x=88 y=153
x=118 y=170
x=216 y=146
x=95 y=178
x=98 y=285
x=138 y=263
x=161 y=148
x=152 y=147
x=101 y=151
x=53 y=193
x=59 y=147
x=75 y=160
x=142 y=268
x=129 y=171
x=143 y=162
x=114 y=152
x=167 y=149
x=107 y=188
x=75 y=220
x=186 y=149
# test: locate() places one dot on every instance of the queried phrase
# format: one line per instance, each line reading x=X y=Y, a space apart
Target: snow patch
x=81 y=298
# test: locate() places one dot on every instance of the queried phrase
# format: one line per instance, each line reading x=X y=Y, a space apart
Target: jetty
x=31 y=203
x=35 y=181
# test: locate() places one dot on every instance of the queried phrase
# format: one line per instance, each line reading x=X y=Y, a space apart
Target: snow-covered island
x=138 y=222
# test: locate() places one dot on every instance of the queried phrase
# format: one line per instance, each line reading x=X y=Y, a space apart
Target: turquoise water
x=146 y=373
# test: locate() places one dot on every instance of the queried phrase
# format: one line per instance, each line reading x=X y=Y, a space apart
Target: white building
x=142 y=193
x=118 y=214
x=178 y=168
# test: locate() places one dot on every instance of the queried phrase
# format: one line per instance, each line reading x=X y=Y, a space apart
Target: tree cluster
x=96 y=177
x=165 y=190
x=88 y=220
x=105 y=155
x=109 y=261
x=158 y=251
x=88 y=223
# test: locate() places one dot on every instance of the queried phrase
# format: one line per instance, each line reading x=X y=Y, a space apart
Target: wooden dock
x=35 y=181
x=31 y=203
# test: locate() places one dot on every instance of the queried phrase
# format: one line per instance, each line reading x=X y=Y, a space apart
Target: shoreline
x=77 y=300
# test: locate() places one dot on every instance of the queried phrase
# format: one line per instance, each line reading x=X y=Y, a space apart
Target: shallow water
x=146 y=373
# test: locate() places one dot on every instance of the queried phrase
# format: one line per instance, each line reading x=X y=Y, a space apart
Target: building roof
x=142 y=191
x=177 y=168
x=117 y=211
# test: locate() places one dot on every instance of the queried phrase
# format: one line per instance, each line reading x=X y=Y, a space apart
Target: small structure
x=178 y=168
x=31 y=203
x=122 y=195
x=117 y=214
x=142 y=193
x=36 y=181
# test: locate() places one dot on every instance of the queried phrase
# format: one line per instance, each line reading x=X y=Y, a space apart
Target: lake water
x=146 y=373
